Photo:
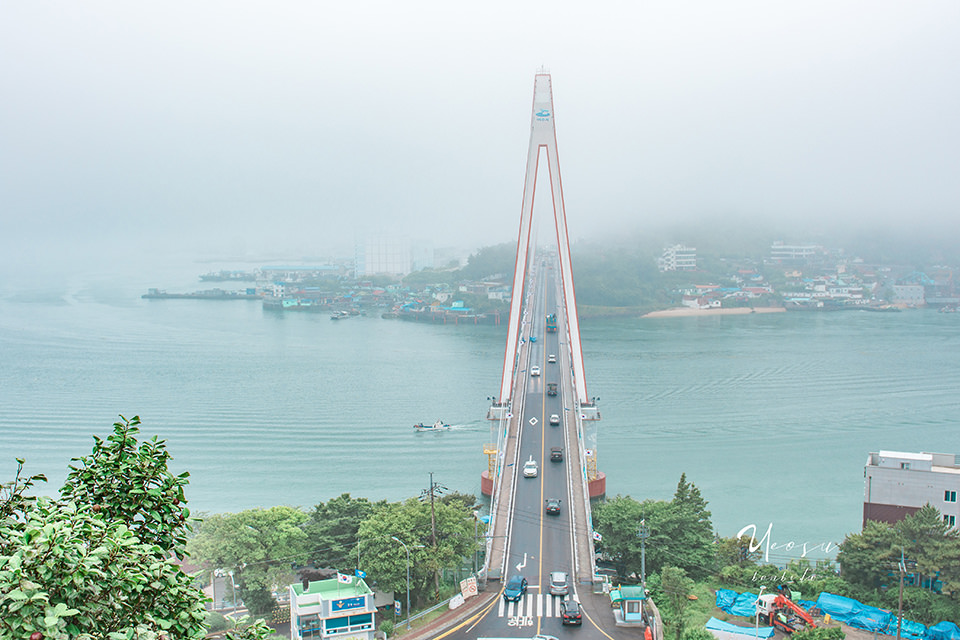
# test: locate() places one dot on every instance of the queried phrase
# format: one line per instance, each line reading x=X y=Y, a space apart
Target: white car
x=535 y=370
x=551 y=358
x=530 y=468
x=554 y=419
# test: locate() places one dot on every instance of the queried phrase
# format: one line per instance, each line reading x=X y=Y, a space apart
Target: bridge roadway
x=524 y=539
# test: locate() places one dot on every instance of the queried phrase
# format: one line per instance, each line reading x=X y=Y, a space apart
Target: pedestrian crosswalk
x=533 y=605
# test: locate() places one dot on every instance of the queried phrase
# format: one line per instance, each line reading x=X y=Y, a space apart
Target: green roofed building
x=341 y=607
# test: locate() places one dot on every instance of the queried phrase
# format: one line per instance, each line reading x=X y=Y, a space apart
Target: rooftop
x=333 y=588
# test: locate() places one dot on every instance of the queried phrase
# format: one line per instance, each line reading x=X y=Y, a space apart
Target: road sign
x=396 y=607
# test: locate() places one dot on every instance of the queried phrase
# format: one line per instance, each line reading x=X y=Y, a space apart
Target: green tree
x=332 y=530
x=691 y=531
x=128 y=481
x=868 y=557
x=932 y=544
x=70 y=568
x=735 y=552
x=493 y=261
x=680 y=532
x=676 y=587
x=259 y=545
x=385 y=560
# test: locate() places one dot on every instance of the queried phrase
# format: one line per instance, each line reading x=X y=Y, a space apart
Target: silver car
x=559 y=583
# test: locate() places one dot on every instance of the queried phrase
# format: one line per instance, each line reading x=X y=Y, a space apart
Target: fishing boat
x=439 y=425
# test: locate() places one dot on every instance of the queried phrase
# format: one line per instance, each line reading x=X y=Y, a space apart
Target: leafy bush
x=820 y=633
x=217 y=622
x=387 y=627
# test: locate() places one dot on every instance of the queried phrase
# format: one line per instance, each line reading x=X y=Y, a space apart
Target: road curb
x=448 y=619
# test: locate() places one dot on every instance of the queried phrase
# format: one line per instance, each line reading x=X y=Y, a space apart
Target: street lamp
x=233 y=588
x=408 y=576
x=756 y=625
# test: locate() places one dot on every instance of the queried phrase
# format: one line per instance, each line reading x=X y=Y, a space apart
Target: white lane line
x=500 y=609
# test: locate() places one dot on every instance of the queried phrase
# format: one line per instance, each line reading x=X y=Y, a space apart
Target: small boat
x=439 y=425
x=340 y=315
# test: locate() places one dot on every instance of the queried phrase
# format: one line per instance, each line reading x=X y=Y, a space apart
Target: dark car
x=516 y=587
x=556 y=454
x=553 y=506
x=570 y=612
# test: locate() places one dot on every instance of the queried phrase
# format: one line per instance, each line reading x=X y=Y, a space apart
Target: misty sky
x=230 y=128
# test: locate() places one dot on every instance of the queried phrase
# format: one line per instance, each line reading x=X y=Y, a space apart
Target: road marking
x=530 y=607
x=533 y=421
x=521 y=565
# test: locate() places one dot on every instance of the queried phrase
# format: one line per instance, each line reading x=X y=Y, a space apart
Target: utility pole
x=643 y=533
x=433 y=516
x=903 y=569
x=433 y=491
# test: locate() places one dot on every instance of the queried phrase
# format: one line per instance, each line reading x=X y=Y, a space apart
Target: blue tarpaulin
x=943 y=631
x=726 y=628
x=744 y=604
x=863 y=616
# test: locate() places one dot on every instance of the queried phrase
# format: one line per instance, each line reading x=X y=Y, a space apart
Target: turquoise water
x=772 y=416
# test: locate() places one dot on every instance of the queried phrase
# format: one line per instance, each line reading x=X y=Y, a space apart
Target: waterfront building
x=898 y=483
x=795 y=254
x=678 y=258
x=912 y=295
x=341 y=607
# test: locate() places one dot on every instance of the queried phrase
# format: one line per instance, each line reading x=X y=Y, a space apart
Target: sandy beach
x=686 y=312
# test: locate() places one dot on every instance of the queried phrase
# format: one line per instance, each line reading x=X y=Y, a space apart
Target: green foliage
x=331 y=530
x=98 y=561
x=247 y=630
x=924 y=606
x=76 y=572
x=128 y=482
x=258 y=545
x=735 y=552
x=387 y=627
x=697 y=633
x=820 y=633
x=933 y=545
x=410 y=522
x=676 y=588
x=681 y=533
x=425 y=277
x=497 y=260
x=869 y=558
x=13 y=500
x=217 y=622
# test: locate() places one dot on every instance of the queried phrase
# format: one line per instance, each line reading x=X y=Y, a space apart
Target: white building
x=898 y=483
x=678 y=258
x=794 y=253
x=332 y=609
x=913 y=295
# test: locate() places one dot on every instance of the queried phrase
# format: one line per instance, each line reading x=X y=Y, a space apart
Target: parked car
x=530 y=468
x=534 y=370
x=559 y=583
x=553 y=506
x=515 y=588
x=570 y=612
x=554 y=419
x=556 y=454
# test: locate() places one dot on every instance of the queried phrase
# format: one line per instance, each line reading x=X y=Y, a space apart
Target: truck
x=781 y=613
x=552 y=323
x=551 y=388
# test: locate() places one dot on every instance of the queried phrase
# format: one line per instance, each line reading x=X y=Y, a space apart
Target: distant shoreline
x=687 y=312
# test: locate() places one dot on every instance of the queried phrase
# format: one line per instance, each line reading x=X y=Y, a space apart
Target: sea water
x=770 y=415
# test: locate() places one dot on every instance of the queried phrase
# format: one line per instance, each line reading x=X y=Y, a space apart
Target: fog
x=244 y=129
